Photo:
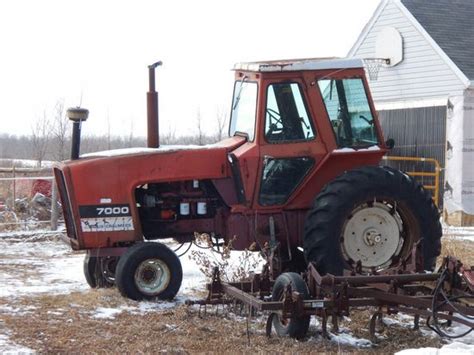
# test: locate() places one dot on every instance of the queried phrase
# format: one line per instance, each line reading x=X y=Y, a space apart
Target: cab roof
x=300 y=64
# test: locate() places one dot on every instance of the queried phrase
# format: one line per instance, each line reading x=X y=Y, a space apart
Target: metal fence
x=28 y=200
x=426 y=171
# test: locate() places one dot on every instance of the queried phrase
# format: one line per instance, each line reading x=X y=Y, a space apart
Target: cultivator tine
x=324 y=323
x=249 y=315
x=416 y=322
x=268 y=327
x=376 y=317
x=335 y=322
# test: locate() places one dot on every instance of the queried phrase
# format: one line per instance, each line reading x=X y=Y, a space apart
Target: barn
x=421 y=57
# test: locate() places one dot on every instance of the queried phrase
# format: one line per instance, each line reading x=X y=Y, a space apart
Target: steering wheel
x=274 y=115
x=275 y=120
x=370 y=122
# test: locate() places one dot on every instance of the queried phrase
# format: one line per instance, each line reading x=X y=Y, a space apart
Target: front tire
x=147 y=271
x=99 y=272
x=372 y=215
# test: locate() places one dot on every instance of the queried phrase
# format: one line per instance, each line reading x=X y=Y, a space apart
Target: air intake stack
x=77 y=115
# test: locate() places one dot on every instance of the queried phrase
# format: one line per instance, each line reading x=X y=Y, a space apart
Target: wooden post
x=54 y=206
x=14 y=187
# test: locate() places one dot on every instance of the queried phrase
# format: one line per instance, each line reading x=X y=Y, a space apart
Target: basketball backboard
x=389 y=45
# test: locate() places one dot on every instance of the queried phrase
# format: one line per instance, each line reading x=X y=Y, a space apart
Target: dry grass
x=66 y=324
x=461 y=249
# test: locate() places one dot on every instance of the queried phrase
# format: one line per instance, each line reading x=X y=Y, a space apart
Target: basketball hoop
x=373 y=66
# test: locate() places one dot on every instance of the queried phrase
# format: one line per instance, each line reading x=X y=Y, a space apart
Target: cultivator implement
x=291 y=299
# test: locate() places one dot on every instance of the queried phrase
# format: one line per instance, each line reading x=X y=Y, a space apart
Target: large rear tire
x=296 y=327
x=374 y=215
x=149 y=270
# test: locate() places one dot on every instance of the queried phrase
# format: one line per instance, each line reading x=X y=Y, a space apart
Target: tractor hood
x=109 y=179
x=115 y=174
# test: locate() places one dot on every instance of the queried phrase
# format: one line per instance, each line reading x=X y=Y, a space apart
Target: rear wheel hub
x=373 y=235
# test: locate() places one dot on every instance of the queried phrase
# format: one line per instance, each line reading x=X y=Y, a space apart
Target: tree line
x=50 y=138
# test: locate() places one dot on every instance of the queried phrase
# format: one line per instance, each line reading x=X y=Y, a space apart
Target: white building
x=425 y=94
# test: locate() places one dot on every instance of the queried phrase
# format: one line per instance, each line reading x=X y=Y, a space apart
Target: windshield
x=349 y=112
x=244 y=106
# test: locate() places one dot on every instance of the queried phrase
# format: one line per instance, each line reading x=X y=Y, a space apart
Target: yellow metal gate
x=425 y=170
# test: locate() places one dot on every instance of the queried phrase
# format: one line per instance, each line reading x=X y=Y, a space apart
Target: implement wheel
x=148 y=271
x=372 y=216
x=296 y=327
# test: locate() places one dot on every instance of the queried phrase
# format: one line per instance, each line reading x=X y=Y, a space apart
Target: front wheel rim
x=152 y=277
x=109 y=265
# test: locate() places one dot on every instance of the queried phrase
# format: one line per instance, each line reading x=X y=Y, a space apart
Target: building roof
x=301 y=64
x=451 y=25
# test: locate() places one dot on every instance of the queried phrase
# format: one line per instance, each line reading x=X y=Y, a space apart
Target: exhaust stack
x=152 y=109
x=76 y=115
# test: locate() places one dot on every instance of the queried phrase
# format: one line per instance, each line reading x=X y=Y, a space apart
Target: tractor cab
x=294 y=115
x=283 y=101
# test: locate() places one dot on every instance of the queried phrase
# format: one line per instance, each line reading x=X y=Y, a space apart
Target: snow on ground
x=7 y=347
x=54 y=269
x=462 y=233
x=345 y=338
x=455 y=348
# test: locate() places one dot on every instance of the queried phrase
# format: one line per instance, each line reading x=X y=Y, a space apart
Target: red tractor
x=298 y=177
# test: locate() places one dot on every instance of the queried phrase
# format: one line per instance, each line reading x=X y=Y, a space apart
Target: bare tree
x=221 y=122
x=40 y=137
x=200 y=134
x=130 y=136
x=169 y=137
x=109 y=137
x=60 y=132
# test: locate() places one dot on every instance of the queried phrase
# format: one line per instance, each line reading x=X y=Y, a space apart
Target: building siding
x=422 y=74
x=418 y=132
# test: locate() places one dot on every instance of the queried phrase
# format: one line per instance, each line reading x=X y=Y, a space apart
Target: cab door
x=290 y=147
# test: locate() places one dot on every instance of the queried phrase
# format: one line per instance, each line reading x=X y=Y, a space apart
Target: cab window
x=244 y=105
x=349 y=112
x=286 y=116
x=280 y=177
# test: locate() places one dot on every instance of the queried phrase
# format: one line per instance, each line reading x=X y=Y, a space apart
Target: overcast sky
x=99 y=50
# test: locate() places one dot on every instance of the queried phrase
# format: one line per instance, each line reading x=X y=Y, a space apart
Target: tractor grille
x=66 y=204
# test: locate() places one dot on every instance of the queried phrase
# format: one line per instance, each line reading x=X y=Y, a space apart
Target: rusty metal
x=153 y=138
x=468 y=276
x=399 y=290
x=377 y=316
